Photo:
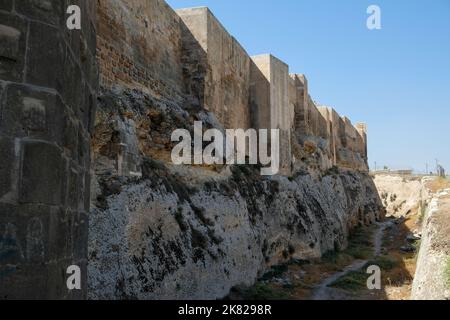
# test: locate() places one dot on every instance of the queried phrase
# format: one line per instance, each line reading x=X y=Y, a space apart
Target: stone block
x=226 y=81
x=23 y=281
x=60 y=234
x=12 y=236
x=74 y=189
x=86 y=191
x=43 y=173
x=46 y=59
x=6 y=5
x=6 y=165
x=92 y=107
x=89 y=66
x=85 y=108
x=25 y=234
x=13 y=34
x=49 y=11
x=70 y=138
x=36 y=247
x=56 y=280
x=2 y=89
x=32 y=113
x=73 y=90
x=80 y=233
x=273 y=110
x=83 y=149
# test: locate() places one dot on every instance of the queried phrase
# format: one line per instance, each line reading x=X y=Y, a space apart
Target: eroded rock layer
x=195 y=232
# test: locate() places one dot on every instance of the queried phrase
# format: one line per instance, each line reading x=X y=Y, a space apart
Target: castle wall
x=329 y=116
x=299 y=98
x=188 y=57
x=274 y=112
x=140 y=46
x=362 y=130
x=321 y=129
x=227 y=64
x=48 y=83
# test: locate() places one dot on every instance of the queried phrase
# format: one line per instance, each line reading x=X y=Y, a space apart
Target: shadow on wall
x=195 y=66
x=48 y=84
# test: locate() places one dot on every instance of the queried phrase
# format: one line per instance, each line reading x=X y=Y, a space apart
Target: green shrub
x=275 y=271
x=355 y=280
x=262 y=291
x=384 y=262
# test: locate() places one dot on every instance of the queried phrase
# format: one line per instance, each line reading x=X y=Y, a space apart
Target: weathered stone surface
x=2 y=90
x=62 y=241
x=49 y=11
x=226 y=65
x=6 y=5
x=42 y=173
x=336 y=141
x=46 y=66
x=6 y=165
x=143 y=51
x=13 y=34
x=400 y=195
x=33 y=113
x=80 y=233
x=46 y=113
x=70 y=136
x=25 y=234
x=272 y=110
x=431 y=281
x=175 y=243
x=73 y=189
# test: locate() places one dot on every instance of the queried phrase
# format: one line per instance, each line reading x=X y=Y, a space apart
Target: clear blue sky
x=396 y=79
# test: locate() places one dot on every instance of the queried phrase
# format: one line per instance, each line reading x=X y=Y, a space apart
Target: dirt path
x=324 y=292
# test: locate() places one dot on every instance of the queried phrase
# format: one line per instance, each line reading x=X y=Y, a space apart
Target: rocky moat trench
x=392 y=244
x=166 y=232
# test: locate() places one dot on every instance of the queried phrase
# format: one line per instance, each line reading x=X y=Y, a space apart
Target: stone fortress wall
x=188 y=54
x=49 y=78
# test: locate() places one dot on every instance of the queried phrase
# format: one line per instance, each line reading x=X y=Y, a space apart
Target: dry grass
x=397 y=268
x=438 y=184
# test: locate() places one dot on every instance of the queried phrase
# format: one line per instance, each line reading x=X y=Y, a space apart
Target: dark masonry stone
x=32 y=113
x=88 y=27
x=86 y=191
x=92 y=110
x=89 y=66
x=43 y=173
x=36 y=246
x=74 y=189
x=24 y=234
x=71 y=136
x=80 y=233
x=6 y=165
x=83 y=150
x=13 y=34
x=23 y=281
x=46 y=57
x=61 y=237
x=2 y=89
x=49 y=11
x=6 y=5
x=73 y=90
